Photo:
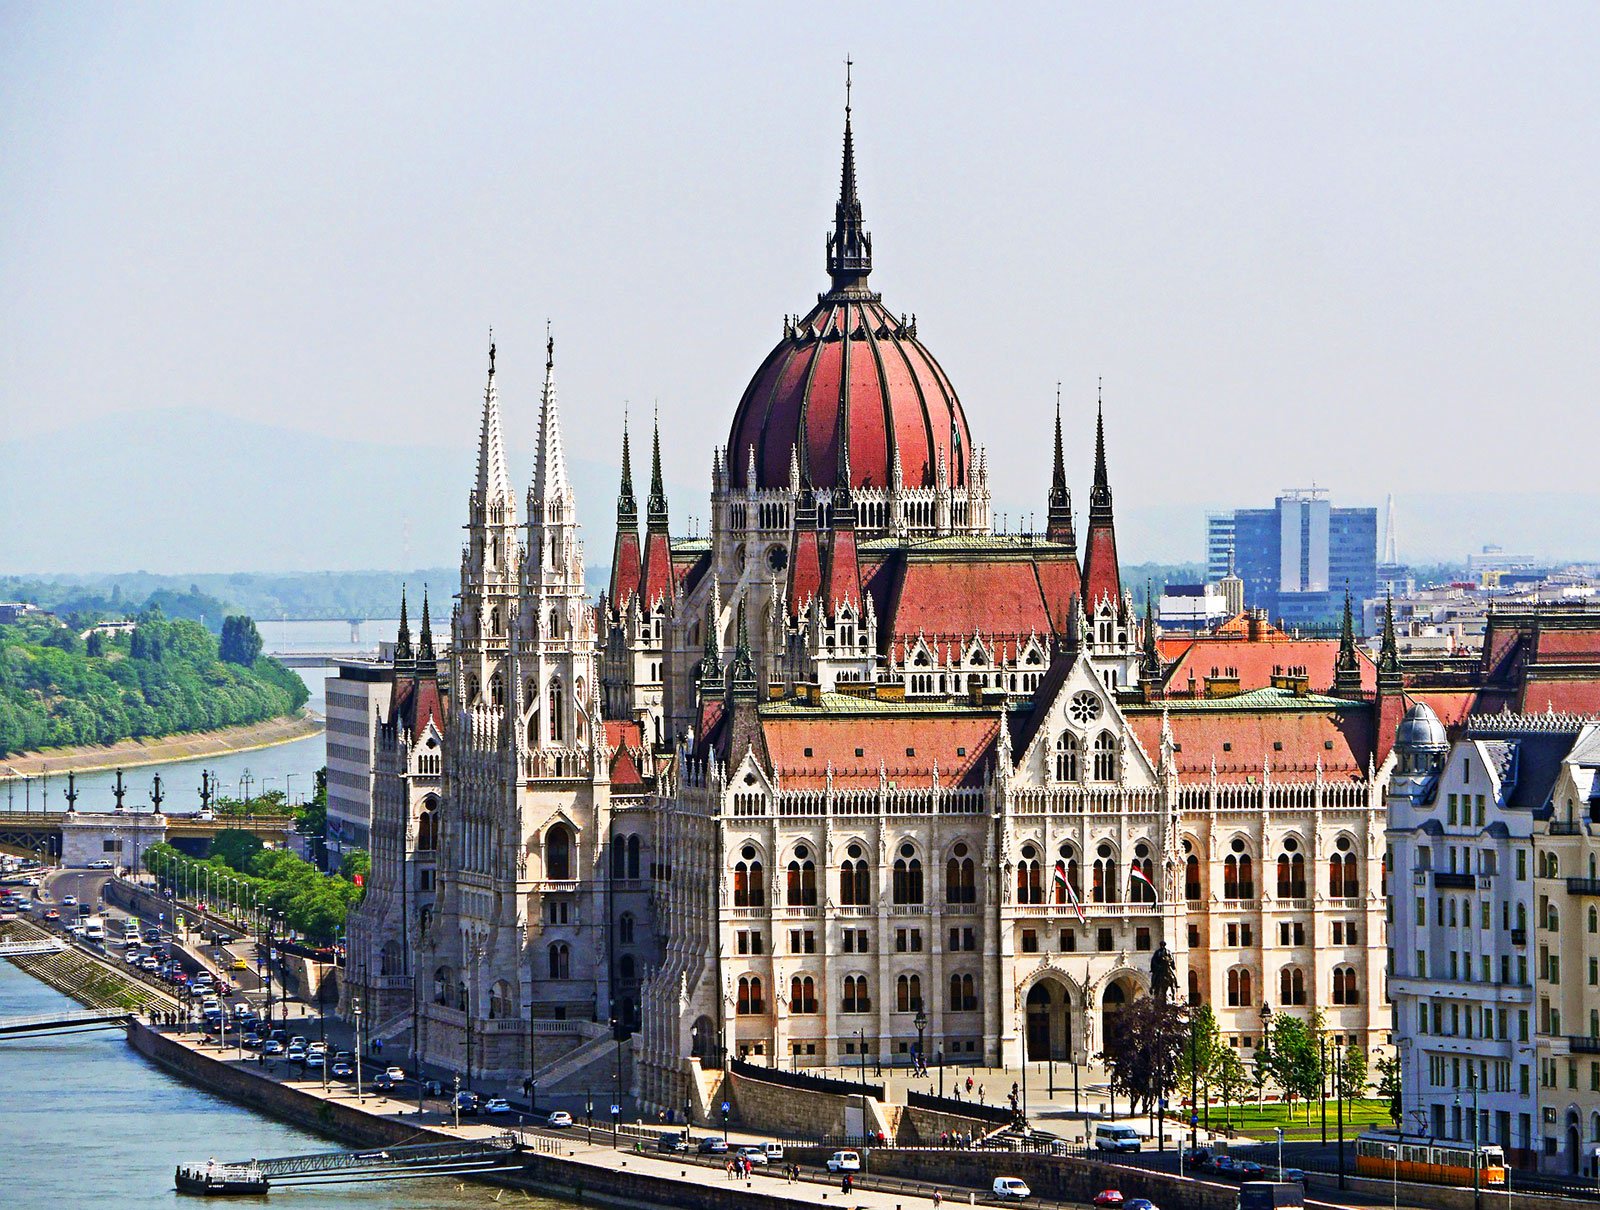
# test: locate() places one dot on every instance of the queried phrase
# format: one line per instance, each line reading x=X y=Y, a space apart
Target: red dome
x=850 y=356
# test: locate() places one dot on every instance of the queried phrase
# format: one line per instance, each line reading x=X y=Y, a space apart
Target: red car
x=1108 y=1197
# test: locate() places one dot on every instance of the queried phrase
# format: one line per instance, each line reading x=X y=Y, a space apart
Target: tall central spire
x=850 y=244
x=550 y=484
x=494 y=483
x=1059 y=526
x=1100 y=493
x=657 y=504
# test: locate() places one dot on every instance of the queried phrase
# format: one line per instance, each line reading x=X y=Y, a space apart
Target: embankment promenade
x=191 y=745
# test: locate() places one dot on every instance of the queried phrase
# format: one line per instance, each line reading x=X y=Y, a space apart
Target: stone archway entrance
x=1049 y=1021
x=1574 y=1144
x=1118 y=994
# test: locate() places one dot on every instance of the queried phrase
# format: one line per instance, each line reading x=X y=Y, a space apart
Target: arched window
x=558 y=853
x=1238 y=873
x=959 y=883
x=1594 y=920
x=441 y=985
x=625 y=967
x=856 y=997
x=1194 y=988
x=907 y=877
x=1066 y=874
x=428 y=826
x=1191 y=879
x=1291 y=873
x=749 y=1003
x=963 y=994
x=625 y=929
x=633 y=857
x=1030 y=881
x=1342 y=879
x=557 y=697
x=501 y=1005
x=389 y=959
x=802 y=994
x=853 y=884
x=1291 y=985
x=749 y=887
x=1239 y=989
x=619 y=858
x=1105 y=757
x=497 y=690
x=560 y=960
x=1069 y=757
x=802 y=879
x=1344 y=985
x=1142 y=889
x=1105 y=875
x=908 y=994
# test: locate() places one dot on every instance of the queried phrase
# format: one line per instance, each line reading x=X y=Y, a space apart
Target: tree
x=97 y=644
x=1388 y=1085
x=241 y=642
x=1353 y=1073
x=1201 y=1050
x=1295 y=1063
x=355 y=862
x=236 y=847
x=1142 y=1048
x=1231 y=1078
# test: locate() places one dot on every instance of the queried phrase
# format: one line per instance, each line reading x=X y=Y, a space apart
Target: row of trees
x=313 y=904
x=166 y=676
x=1153 y=1050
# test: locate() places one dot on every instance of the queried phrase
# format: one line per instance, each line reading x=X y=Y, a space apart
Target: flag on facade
x=1071 y=895
x=1136 y=873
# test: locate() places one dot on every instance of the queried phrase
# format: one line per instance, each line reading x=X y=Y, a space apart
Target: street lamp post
x=941 y=1070
x=921 y=1022
x=1394 y=1167
x=1338 y=1097
x=1322 y=1083
x=357 y=1009
x=1264 y=1054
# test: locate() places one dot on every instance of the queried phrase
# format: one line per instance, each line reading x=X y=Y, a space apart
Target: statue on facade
x=1163 y=975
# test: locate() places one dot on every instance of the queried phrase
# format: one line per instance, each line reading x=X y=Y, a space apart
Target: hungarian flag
x=360 y=880
x=1071 y=895
x=1137 y=874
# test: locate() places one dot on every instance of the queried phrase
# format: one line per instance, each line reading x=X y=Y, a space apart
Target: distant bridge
x=27 y=833
x=316 y=659
x=56 y=1023
x=27 y=949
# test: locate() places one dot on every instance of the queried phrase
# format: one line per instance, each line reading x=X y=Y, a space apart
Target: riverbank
x=133 y=753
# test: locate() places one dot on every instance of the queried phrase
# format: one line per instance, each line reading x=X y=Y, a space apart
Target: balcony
x=1443 y=881
x=1566 y=827
x=1583 y=886
x=1582 y=1045
x=1519 y=936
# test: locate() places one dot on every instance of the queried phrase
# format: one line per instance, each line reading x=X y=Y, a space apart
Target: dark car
x=674 y=1142
x=383 y=1084
x=1295 y=1176
x=713 y=1147
x=465 y=1102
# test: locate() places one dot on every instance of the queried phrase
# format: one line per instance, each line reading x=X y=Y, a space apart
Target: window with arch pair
x=960 y=884
x=963 y=994
x=624 y=857
x=1240 y=989
x=908 y=994
x=1030 y=876
x=802 y=994
x=559 y=958
x=857 y=999
x=1238 y=874
x=801 y=879
x=749 y=885
x=502 y=1004
x=749 y=1002
x=1291 y=876
x=907 y=877
x=1343 y=880
x=1291 y=985
x=1344 y=985
x=855 y=885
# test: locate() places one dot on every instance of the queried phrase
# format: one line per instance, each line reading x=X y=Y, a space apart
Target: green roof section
x=1254 y=699
x=837 y=704
x=999 y=544
x=690 y=546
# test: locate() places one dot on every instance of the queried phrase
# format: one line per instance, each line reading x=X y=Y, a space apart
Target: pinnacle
x=494 y=482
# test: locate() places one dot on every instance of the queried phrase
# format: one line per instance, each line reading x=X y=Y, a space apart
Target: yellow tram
x=1411 y=1157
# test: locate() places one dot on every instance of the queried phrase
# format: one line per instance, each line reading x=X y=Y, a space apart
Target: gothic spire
x=1389 y=653
x=658 y=493
x=1100 y=493
x=627 y=506
x=1150 y=661
x=850 y=244
x=743 y=668
x=1347 y=668
x=711 y=658
x=1059 y=525
x=1102 y=579
x=550 y=484
x=427 y=665
x=402 y=644
x=494 y=483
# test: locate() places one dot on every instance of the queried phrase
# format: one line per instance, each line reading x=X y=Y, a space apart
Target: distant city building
x=1298 y=557
x=1192 y=607
x=1495 y=558
x=12 y=612
x=358 y=694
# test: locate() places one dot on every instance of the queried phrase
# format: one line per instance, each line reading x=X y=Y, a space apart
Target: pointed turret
x=494 y=482
x=1059 y=526
x=850 y=244
x=625 y=559
x=427 y=662
x=1391 y=699
x=1389 y=653
x=550 y=484
x=1150 y=657
x=1347 y=669
x=742 y=672
x=403 y=656
x=657 y=570
x=710 y=669
x=1102 y=581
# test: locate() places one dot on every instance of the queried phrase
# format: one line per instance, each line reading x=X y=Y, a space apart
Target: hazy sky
x=1356 y=244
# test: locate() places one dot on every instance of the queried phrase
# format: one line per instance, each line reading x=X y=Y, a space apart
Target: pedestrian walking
x=969 y=1085
x=730 y=1170
x=937 y=1199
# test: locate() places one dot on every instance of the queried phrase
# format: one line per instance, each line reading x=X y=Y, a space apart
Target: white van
x=1109 y=1136
x=1011 y=1189
x=94 y=929
x=844 y=1161
x=773 y=1151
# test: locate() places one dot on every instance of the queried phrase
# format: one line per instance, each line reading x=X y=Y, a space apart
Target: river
x=86 y=1121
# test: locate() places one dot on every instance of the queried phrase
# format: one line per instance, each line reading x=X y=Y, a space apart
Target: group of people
x=955 y=1138
x=740 y=1166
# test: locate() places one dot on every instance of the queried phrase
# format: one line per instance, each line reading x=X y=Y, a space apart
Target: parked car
x=465 y=1102
x=1296 y=1176
x=1011 y=1189
x=100 y=863
x=397 y=1074
x=1139 y=1203
x=672 y=1142
x=316 y=1060
x=1112 y=1136
x=773 y=1151
x=754 y=1155
x=494 y=1105
x=560 y=1119
x=844 y=1161
x=713 y=1147
x=1108 y=1197
x=69 y=901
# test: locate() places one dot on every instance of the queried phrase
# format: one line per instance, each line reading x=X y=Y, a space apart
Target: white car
x=102 y=863
x=756 y=1155
x=397 y=1074
x=844 y=1161
x=497 y=1105
x=1011 y=1189
x=69 y=901
x=560 y=1118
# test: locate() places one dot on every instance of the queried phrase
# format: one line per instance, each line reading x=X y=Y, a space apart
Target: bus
x=1411 y=1157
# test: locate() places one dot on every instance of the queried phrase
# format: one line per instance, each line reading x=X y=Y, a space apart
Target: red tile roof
x=802 y=744
x=1101 y=578
x=1290 y=741
x=950 y=599
x=625 y=569
x=1255 y=663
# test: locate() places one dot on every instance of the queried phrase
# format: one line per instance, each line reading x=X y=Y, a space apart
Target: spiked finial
x=1150 y=661
x=1389 y=653
x=1347 y=668
x=658 y=493
x=743 y=669
x=493 y=482
x=551 y=488
x=402 y=645
x=1100 y=493
x=627 y=506
x=426 y=663
x=1058 y=526
x=850 y=244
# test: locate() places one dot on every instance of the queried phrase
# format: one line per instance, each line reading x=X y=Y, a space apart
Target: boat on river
x=219 y=1180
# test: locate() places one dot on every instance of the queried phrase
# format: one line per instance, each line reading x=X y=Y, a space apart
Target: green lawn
x=1304 y=1121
